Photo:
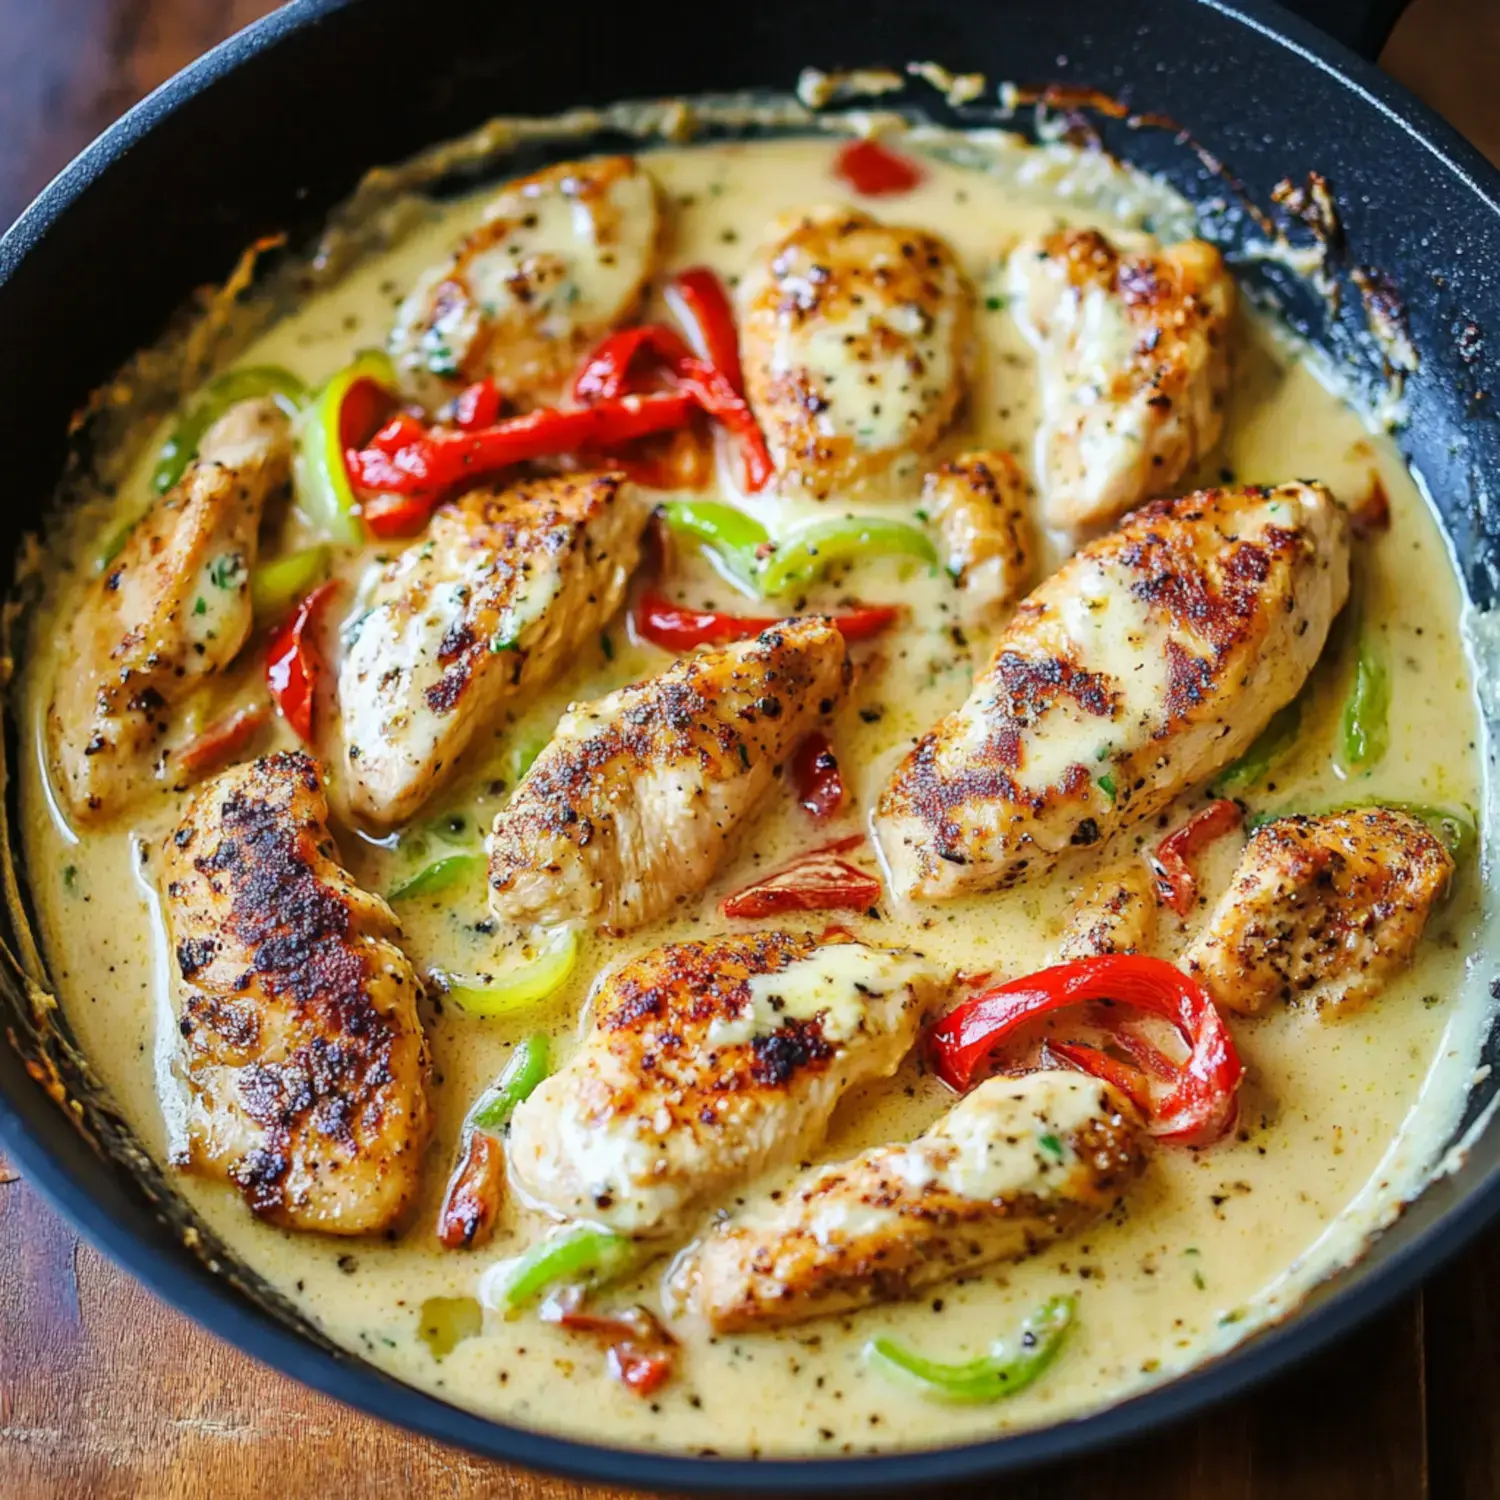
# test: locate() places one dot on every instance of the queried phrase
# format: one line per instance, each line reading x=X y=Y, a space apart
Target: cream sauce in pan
x=1340 y=1122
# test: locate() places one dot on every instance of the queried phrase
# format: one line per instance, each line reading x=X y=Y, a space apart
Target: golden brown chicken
x=1115 y=914
x=1014 y=1165
x=640 y=795
x=1134 y=353
x=491 y=604
x=558 y=259
x=1321 y=911
x=978 y=503
x=707 y=1063
x=1150 y=660
x=165 y=615
x=856 y=339
x=301 y=1060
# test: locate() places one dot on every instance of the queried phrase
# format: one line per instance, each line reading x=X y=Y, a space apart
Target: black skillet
x=271 y=129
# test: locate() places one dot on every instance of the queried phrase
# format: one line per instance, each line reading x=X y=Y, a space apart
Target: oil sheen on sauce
x=1339 y=1122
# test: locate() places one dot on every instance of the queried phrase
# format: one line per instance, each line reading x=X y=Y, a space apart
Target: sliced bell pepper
x=875 y=170
x=181 y=448
x=529 y=1064
x=641 y=1353
x=342 y=415
x=819 y=881
x=737 y=540
x=808 y=552
x=222 y=740
x=624 y=360
x=674 y=628
x=816 y=776
x=294 y=664
x=579 y=1256
x=1176 y=886
x=472 y=1201
x=1197 y=1109
x=1364 y=729
x=428 y=466
x=441 y=875
x=477 y=405
x=1003 y=1372
x=276 y=586
x=526 y=985
x=698 y=301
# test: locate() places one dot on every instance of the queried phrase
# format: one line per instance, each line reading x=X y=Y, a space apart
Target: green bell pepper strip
x=276 y=586
x=1003 y=1372
x=1455 y=826
x=580 y=1256
x=529 y=1064
x=181 y=448
x=521 y=757
x=1364 y=730
x=733 y=537
x=323 y=487
x=807 y=553
x=439 y=876
x=522 y=987
x=1268 y=747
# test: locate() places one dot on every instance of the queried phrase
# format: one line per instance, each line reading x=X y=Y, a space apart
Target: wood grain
x=107 y=1394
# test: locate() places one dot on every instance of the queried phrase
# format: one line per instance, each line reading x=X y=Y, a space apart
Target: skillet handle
x=1364 y=26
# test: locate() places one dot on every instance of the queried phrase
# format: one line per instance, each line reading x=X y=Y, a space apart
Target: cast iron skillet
x=271 y=129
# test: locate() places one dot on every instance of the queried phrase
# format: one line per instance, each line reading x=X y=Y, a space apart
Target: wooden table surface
x=105 y=1393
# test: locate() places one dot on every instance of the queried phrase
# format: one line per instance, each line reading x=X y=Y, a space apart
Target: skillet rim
x=1350 y=1298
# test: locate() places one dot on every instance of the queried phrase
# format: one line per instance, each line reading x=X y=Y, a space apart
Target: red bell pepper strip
x=473 y=1197
x=875 y=170
x=815 y=774
x=387 y=516
x=1122 y=1075
x=1196 y=1110
x=429 y=466
x=225 y=737
x=621 y=363
x=658 y=620
x=293 y=663
x=1176 y=886
x=642 y=1354
x=477 y=405
x=819 y=881
x=698 y=299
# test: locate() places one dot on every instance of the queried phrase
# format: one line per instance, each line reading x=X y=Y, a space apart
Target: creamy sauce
x=1340 y=1122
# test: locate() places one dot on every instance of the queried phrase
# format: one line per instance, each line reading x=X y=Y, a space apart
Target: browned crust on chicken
x=687 y=1085
x=897 y=1219
x=1116 y=914
x=490 y=605
x=856 y=341
x=1151 y=658
x=979 y=505
x=1131 y=395
x=169 y=612
x=640 y=794
x=528 y=292
x=1322 y=911
x=301 y=1053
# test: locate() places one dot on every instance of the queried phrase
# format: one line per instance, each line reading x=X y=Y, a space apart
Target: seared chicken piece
x=639 y=795
x=1134 y=353
x=1148 y=661
x=559 y=259
x=491 y=604
x=1117 y=914
x=1014 y=1165
x=1322 y=911
x=707 y=1063
x=301 y=1057
x=170 y=611
x=978 y=503
x=856 y=341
